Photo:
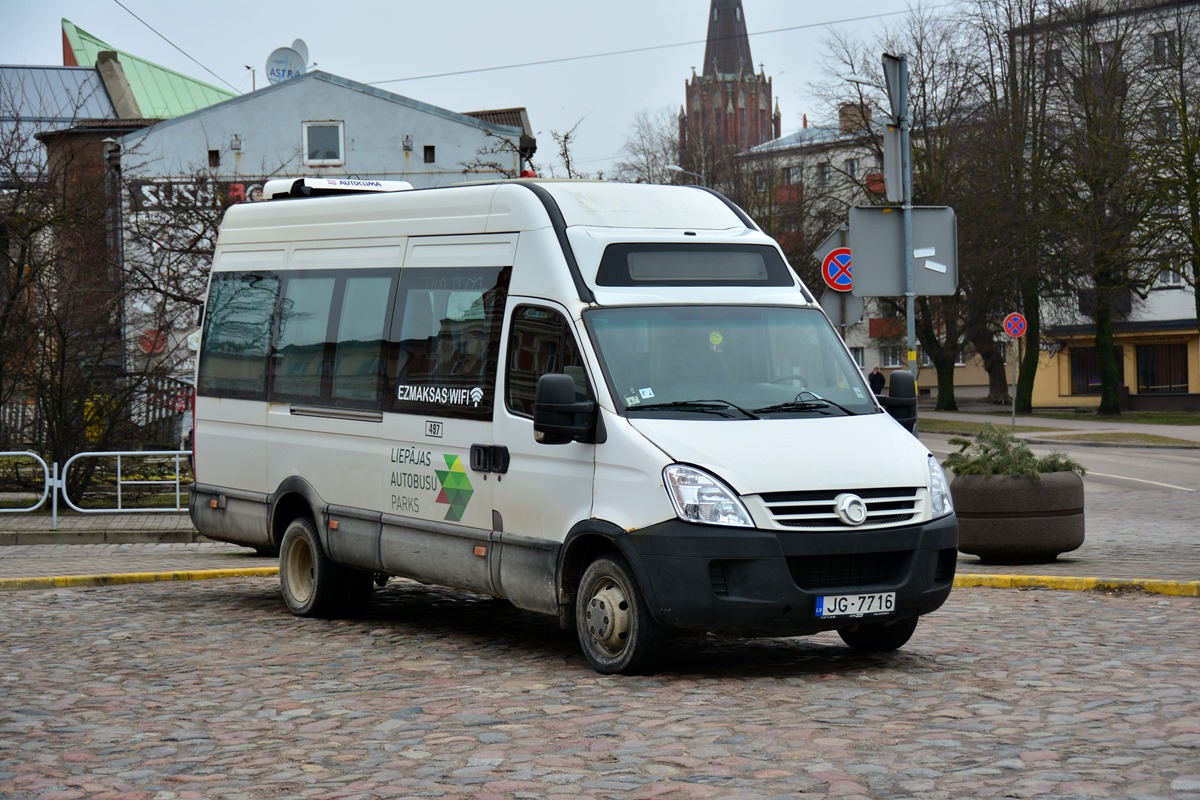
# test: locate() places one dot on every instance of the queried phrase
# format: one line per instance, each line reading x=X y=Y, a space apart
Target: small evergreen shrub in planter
x=1014 y=507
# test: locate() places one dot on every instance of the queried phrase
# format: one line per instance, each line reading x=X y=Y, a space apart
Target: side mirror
x=901 y=399
x=558 y=418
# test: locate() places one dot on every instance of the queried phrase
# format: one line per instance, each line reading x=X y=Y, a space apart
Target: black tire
x=615 y=628
x=314 y=586
x=880 y=637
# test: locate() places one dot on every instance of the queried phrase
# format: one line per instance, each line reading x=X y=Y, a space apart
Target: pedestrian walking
x=877 y=381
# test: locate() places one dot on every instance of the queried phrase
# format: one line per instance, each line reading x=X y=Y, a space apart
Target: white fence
x=54 y=484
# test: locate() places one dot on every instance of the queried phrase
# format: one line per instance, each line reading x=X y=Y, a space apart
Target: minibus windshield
x=726 y=362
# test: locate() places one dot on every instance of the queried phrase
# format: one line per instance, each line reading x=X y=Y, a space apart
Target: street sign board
x=836 y=238
x=1014 y=325
x=836 y=270
x=842 y=308
x=894 y=73
x=877 y=241
x=893 y=164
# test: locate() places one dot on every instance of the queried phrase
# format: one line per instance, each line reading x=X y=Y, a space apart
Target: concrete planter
x=1012 y=519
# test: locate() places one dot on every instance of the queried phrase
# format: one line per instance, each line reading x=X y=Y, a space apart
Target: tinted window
x=693 y=265
x=540 y=341
x=302 y=352
x=358 y=368
x=446 y=332
x=237 y=335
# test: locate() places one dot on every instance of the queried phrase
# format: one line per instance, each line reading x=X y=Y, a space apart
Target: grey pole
x=910 y=295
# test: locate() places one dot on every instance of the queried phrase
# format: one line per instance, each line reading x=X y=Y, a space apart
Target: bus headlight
x=701 y=497
x=940 y=503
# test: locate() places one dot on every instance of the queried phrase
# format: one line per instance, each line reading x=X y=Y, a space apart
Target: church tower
x=729 y=106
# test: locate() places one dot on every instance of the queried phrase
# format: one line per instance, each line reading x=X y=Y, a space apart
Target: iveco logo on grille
x=850 y=508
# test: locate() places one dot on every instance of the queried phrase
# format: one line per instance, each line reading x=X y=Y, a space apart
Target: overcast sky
x=644 y=50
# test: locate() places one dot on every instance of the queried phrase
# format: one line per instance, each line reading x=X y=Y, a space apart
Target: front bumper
x=758 y=582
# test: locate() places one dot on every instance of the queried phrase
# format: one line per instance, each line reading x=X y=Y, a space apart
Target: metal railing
x=47 y=481
x=55 y=484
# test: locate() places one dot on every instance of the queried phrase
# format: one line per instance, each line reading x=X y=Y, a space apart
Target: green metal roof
x=161 y=93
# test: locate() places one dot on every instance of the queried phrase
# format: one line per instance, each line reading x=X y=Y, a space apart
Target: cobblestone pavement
x=1143 y=534
x=211 y=689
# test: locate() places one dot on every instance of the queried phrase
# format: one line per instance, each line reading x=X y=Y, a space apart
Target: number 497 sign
x=1014 y=325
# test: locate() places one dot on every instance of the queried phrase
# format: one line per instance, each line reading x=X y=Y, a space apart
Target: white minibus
x=616 y=404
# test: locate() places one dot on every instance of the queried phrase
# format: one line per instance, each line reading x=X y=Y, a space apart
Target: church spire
x=728 y=49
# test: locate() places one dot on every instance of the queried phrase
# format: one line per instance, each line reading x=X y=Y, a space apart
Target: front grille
x=814 y=510
x=841 y=571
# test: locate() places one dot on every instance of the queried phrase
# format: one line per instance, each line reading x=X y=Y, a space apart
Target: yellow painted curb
x=1174 y=588
x=64 y=581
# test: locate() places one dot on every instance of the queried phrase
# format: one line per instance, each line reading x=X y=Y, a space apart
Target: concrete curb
x=68 y=581
x=1173 y=588
x=67 y=536
x=1122 y=445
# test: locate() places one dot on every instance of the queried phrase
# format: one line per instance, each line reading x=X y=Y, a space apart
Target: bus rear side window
x=303 y=351
x=237 y=335
x=447 y=337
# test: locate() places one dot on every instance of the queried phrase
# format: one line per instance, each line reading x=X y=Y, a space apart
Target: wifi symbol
x=476 y=395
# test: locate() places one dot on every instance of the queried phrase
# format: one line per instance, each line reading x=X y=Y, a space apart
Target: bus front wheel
x=615 y=628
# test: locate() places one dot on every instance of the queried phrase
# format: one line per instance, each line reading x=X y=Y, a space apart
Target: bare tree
x=653 y=144
x=61 y=326
x=943 y=98
x=1101 y=107
x=1010 y=213
x=1171 y=154
x=500 y=155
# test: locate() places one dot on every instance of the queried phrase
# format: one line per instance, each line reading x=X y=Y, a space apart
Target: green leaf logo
x=456 y=487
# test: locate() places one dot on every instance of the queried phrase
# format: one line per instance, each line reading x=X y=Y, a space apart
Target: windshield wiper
x=702 y=406
x=795 y=405
x=816 y=403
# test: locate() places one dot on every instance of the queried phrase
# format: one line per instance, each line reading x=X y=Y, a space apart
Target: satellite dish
x=300 y=47
x=284 y=63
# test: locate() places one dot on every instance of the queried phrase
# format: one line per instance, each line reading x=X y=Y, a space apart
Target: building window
x=1169 y=278
x=1054 y=66
x=1162 y=47
x=859 y=354
x=1166 y=122
x=824 y=173
x=850 y=166
x=1085 y=369
x=1105 y=54
x=892 y=357
x=429 y=154
x=324 y=144
x=214 y=158
x=792 y=175
x=1162 y=368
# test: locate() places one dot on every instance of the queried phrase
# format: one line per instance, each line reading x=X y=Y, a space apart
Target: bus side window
x=445 y=340
x=237 y=335
x=302 y=351
x=358 y=373
x=540 y=341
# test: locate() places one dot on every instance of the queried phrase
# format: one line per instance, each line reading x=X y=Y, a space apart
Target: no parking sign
x=835 y=269
x=1014 y=325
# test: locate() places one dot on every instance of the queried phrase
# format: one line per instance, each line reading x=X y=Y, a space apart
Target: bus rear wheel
x=314 y=586
x=615 y=628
